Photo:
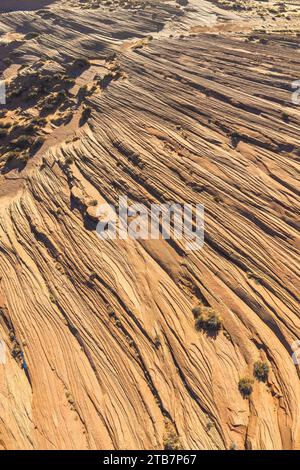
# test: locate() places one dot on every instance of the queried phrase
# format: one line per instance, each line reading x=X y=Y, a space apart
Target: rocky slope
x=164 y=103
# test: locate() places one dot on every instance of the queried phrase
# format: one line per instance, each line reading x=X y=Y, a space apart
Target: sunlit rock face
x=144 y=344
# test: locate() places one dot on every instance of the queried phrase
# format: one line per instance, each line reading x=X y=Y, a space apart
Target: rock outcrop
x=162 y=103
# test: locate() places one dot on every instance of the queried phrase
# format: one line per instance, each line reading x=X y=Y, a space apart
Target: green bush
x=245 y=386
x=31 y=35
x=38 y=142
x=69 y=82
x=261 y=371
x=21 y=142
x=82 y=63
x=69 y=160
x=206 y=319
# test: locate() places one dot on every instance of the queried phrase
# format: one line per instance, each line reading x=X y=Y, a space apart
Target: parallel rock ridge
x=108 y=343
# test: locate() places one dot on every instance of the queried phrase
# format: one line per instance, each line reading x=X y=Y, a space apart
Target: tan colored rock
x=101 y=346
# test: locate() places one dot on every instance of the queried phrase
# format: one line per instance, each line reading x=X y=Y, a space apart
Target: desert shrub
x=61 y=95
x=261 y=371
x=111 y=312
x=69 y=82
x=23 y=158
x=22 y=142
x=53 y=101
x=83 y=91
x=31 y=35
x=157 y=342
x=11 y=335
x=245 y=386
x=285 y=117
x=16 y=351
x=197 y=311
x=15 y=93
x=38 y=142
x=56 y=98
x=86 y=113
x=82 y=63
x=92 y=202
x=34 y=93
x=10 y=157
x=3 y=133
x=7 y=61
x=106 y=80
x=111 y=56
x=17 y=158
x=206 y=319
x=171 y=441
x=209 y=426
x=5 y=125
x=69 y=160
x=49 y=107
x=92 y=277
x=39 y=122
x=30 y=128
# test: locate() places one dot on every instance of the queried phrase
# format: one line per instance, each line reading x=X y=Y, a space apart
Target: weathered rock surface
x=102 y=350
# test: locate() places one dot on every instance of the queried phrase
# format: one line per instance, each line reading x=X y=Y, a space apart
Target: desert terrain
x=143 y=344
